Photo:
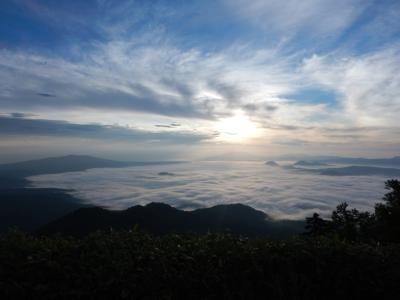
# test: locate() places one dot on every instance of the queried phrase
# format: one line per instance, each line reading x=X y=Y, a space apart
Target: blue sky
x=257 y=77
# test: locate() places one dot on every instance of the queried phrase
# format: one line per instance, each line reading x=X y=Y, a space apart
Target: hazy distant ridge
x=69 y=163
x=306 y=163
x=392 y=162
x=359 y=170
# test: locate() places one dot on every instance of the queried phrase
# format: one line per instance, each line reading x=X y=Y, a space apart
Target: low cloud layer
x=280 y=193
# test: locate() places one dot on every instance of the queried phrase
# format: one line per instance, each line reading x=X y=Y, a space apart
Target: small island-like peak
x=272 y=163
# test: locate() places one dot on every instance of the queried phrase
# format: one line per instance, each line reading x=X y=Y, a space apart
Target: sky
x=209 y=79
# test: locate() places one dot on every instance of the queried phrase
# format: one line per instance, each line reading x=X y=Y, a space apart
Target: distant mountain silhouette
x=307 y=163
x=272 y=163
x=353 y=171
x=159 y=218
x=69 y=163
x=359 y=171
x=391 y=162
x=31 y=208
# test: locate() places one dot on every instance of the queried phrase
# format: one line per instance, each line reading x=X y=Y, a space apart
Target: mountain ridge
x=392 y=161
x=309 y=163
x=160 y=218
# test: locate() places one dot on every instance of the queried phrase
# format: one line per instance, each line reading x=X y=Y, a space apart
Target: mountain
x=30 y=208
x=307 y=163
x=359 y=171
x=353 y=171
x=69 y=163
x=392 y=162
x=159 y=218
x=272 y=163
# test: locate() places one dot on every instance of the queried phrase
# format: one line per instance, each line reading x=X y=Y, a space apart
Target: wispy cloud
x=369 y=84
x=313 y=18
x=295 y=69
x=17 y=125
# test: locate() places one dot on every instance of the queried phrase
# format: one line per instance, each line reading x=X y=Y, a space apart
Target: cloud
x=172 y=125
x=17 y=125
x=307 y=17
x=159 y=80
x=281 y=194
x=267 y=59
x=197 y=85
x=369 y=84
x=20 y=115
x=163 y=126
x=46 y=95
x=192 y=84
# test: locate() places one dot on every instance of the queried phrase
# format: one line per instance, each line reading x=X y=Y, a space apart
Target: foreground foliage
x=383 y=225
x=354 y=255
x=135 y=265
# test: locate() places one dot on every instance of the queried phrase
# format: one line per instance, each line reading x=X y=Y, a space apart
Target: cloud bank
x=280 y=193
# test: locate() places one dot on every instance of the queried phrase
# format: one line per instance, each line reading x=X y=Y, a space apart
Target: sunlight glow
x=238 y=128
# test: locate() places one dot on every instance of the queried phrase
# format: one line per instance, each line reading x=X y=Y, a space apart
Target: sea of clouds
x=281 y=193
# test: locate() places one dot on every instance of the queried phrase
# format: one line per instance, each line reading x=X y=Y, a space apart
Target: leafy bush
x=135 y=265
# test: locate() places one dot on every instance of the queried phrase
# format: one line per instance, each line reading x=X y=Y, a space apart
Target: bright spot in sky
x=237 y=128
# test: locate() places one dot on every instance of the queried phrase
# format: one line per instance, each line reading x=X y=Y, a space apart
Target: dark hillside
x=159 y=218
x=29 y=208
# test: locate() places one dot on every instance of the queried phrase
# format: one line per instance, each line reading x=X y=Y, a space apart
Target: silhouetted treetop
x=350 y=224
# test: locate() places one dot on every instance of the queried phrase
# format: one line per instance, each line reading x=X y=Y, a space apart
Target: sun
x=237 y=128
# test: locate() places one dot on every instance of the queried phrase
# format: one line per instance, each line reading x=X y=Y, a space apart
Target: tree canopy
x=350 y=224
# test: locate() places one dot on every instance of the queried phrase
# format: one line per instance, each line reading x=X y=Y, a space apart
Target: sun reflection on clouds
x=237 y=128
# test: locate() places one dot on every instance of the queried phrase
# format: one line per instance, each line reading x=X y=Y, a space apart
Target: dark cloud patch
x=39 y=127
x=21 y=115
x=185 y=90
x=250 y=107
x=164 y=173
x=287 y=127
x=172 y=125
x=270 y=107
x=345 y=136
x=45 y=95
x=353 y=129
x=291 y=142
x=231 y=93
x=146 y=100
